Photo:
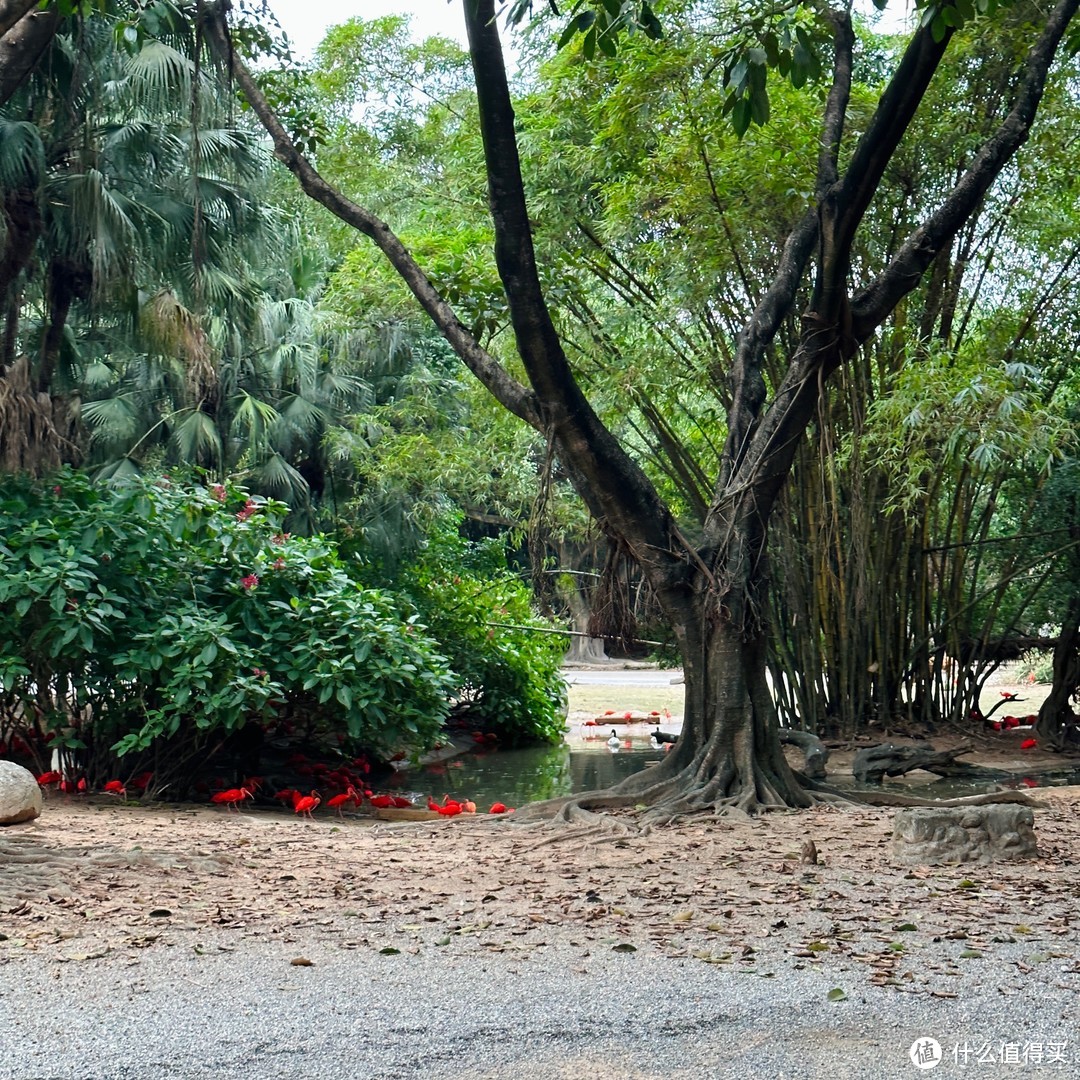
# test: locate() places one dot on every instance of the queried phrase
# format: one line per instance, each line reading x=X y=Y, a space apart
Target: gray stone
x=932 y=836
x=20 y=796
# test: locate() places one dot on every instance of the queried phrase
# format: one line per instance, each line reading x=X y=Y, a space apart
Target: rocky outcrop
x=932 y=836
x=20 y=796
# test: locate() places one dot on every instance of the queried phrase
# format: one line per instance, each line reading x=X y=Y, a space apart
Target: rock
x=20 y=796
x=932 y=836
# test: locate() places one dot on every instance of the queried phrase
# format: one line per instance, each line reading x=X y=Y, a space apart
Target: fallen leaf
x=301 y=961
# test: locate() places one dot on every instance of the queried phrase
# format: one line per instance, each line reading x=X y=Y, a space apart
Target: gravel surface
x=224 y=1010
x=159 y=942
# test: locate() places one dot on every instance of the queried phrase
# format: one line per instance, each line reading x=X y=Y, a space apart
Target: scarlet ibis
x=1029 y=744
x=115 y=787
x=338 y=801
x=498 y=808
x=450 y=807
x=401 y=802
x=231 y=797
x=468 y=807
x=285 y=794
x=306 y=804
x=141 y=782
x=614 y=742
x=48 y=778
x=381 y=802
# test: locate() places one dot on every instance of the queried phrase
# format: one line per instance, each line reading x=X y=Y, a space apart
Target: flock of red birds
x=302 y=804
x=55 y=779
x=306 y=804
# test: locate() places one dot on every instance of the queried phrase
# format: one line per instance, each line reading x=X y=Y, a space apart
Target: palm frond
x=276 y=477
x=97 y=375
x=22 y=155
x=158 y=73
x=304 y=415
x=118 y=471
x=253 y=419
x=195 y=439
x=112 y=420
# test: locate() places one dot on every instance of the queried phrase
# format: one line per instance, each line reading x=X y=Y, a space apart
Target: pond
x=516 y=777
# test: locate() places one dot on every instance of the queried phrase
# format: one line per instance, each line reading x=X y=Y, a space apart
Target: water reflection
x=516 y=777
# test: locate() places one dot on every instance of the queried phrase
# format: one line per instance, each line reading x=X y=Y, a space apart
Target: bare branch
x=507 y=390
x=873 y=305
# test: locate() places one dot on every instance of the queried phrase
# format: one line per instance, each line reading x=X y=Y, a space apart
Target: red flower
x=278 y=564
x=279 y=538
x=218 y=491
x=249 y=508
x=259 y=673
x=250 y=581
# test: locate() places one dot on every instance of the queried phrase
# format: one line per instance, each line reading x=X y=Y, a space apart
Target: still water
x=516 y=777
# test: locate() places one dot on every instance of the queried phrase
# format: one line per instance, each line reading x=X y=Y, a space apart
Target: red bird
x=499 y=808
x=338 y=801
x=48 y=778
x=115 y=787
x=141 y=782
x=381 y=802
x=232 y=797
x=286 y=795
x=306 y=803
x=1029 y=744
x=401 y=802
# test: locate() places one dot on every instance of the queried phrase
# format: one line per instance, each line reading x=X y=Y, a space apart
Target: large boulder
x=20 y=796
x=932 y=836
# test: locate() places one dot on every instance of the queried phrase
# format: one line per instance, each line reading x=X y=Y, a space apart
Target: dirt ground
x=99 y=877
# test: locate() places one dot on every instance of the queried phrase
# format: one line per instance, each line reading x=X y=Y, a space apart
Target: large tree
x=713 y=590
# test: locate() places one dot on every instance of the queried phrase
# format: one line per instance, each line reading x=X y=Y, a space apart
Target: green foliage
x=160 y=611
x=506 y=661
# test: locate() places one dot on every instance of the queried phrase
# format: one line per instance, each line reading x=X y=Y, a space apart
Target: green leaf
x=836 y=994
x=759 y=106
x=577 y=25
x=740 y=116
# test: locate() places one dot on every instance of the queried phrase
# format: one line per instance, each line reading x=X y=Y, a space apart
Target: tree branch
x=506 y=390
x=24 y=40
x=872 y=306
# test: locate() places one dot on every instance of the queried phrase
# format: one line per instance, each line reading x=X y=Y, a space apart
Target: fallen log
x=873 y=763
x=815 y=752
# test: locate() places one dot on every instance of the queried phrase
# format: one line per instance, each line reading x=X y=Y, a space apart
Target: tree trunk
x=1056 y=715
x=713 y=594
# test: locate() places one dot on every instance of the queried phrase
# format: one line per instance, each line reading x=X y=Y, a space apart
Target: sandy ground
x=99 y=878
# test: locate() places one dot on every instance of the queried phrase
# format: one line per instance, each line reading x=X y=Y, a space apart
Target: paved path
x=247 y=1013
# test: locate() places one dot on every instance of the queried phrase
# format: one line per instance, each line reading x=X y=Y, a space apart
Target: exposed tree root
x=678 y=798
x=886 y=798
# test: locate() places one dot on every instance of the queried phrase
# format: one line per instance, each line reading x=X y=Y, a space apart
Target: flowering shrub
x=159 y=614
